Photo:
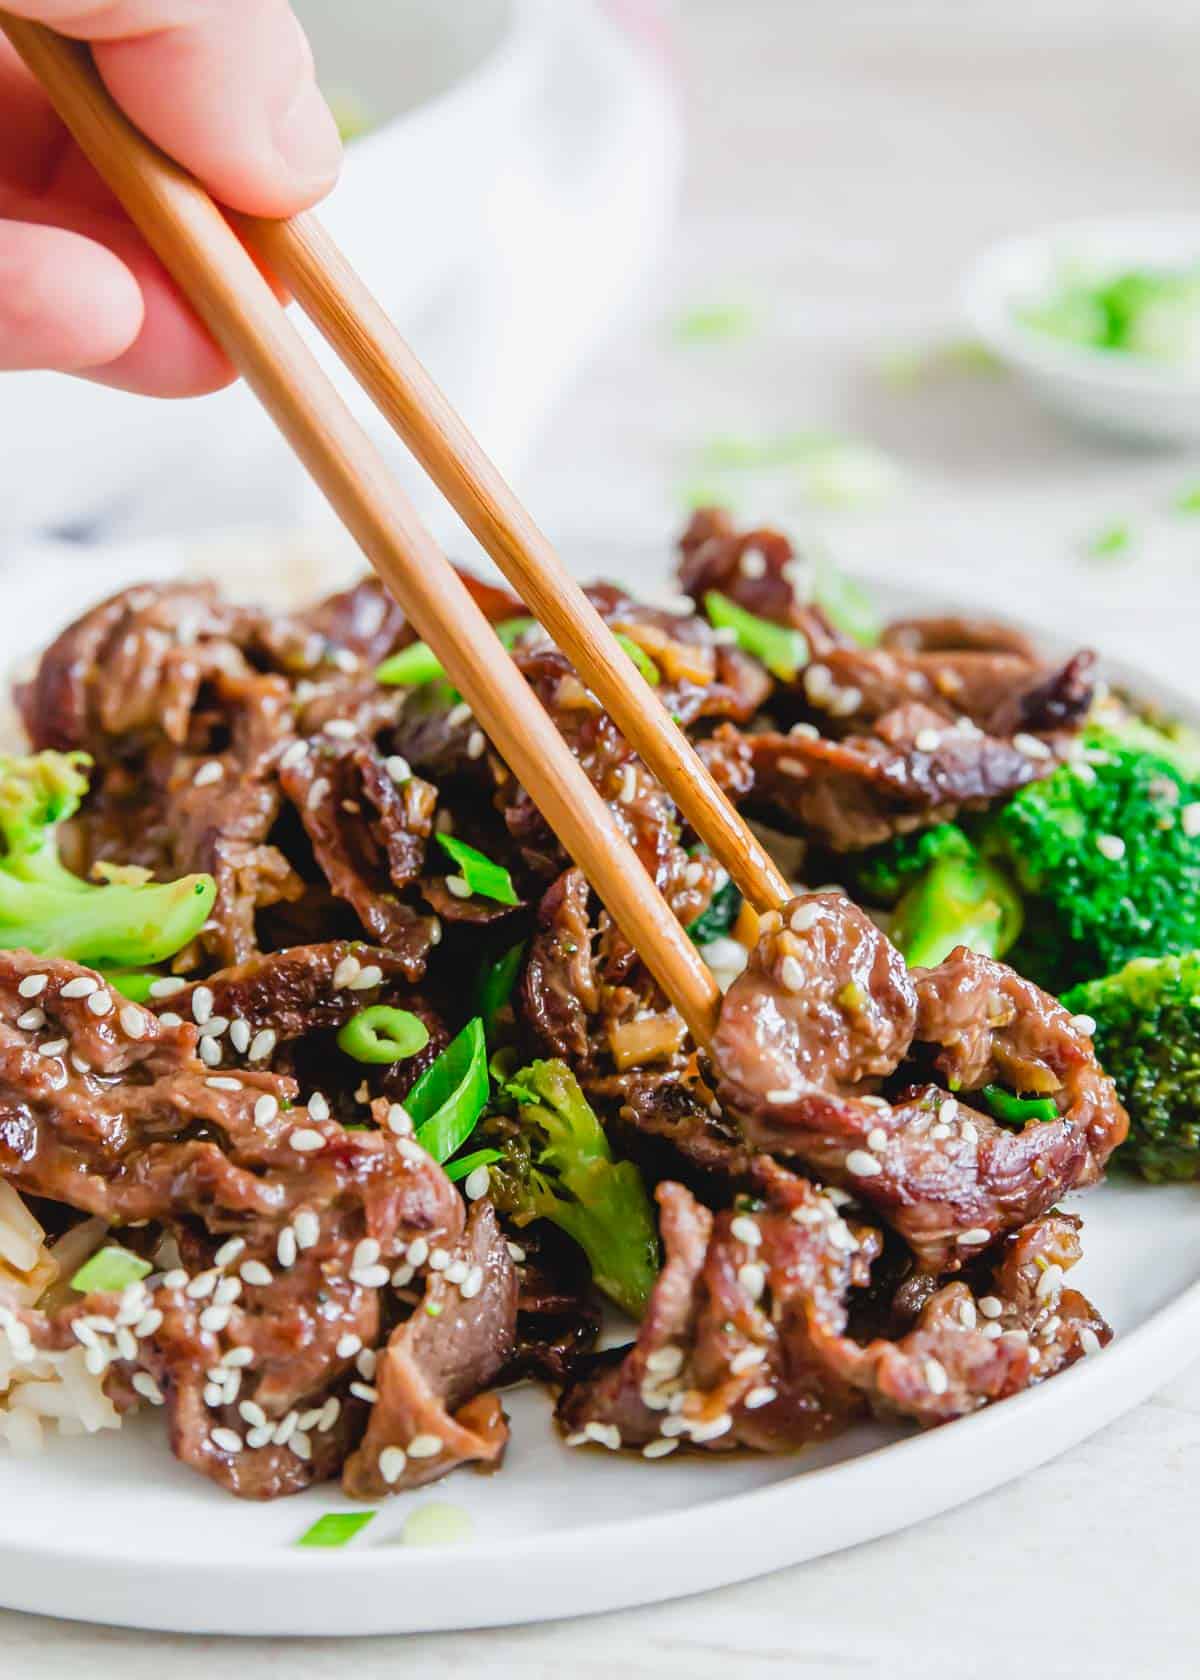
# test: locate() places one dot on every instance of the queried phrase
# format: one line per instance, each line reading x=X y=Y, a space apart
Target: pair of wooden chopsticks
x=201 y=249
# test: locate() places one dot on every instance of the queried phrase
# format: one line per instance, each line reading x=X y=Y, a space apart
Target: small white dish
x=1128 y=397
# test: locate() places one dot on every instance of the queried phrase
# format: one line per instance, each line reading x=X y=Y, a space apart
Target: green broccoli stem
x=959 y=900
x=121 y=927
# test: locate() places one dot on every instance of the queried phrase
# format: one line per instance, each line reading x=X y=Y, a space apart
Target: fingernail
x=307 y=139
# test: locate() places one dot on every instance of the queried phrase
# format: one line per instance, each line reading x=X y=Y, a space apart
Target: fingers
x=226 y=86
x=65 y=302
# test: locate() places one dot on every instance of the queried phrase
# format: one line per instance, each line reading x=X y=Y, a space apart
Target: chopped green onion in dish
x=1148 y=312
x=383 y=1034
x=109 y=1271
x=464 y=1165
x=495 y=986
x=417 y=664
x=847 y=605
x=640 y=658
x=1188 y=501
x=830 y=470
x=336 y=1528
x=713 y=324
x=1016 y=1110
x=716 y=921
x=483 y=878
x=783 y=651
x=446 y=1102
x=437 y=1525
x=906 y=368
x=1110 y=542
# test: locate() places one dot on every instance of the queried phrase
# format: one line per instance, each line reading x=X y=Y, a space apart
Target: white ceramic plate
x=112 y=1529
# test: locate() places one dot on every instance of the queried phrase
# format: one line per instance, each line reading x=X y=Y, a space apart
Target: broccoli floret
x=960 y=900
x=882 y=873
x=944 y=895
x=558 y=1166
x=46 y=909
x=1103 y=852
x=1148 y=1038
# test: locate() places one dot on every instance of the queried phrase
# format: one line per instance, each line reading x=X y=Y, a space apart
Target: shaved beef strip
x=915 y=770
x=758 y=569
x=951 y=634
x=826 y=1011
x=433 y=1412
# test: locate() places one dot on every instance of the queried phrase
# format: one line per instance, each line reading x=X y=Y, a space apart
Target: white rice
x=40 y=1393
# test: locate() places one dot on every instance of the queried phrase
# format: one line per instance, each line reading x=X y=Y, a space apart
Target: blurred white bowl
x=1125 y=396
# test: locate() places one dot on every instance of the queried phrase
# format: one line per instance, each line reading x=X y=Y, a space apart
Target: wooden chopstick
x=218 y=275
x=335 y=298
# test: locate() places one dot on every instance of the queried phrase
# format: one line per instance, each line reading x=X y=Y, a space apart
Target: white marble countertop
x=846 y=162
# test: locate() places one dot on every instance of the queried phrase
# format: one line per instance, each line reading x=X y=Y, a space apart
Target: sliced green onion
x=383 y=1034
x=418 y=663
x=783 y=651
x=336 y=1528
x=847 y=605
x=464 y=1165
x=495 y=986
x=437 y=1525
x=447 y=1100
x=110 y=1270
x=640 y=658
x=711 y=324
x=487 y=879
x=1005 y=1106
x=1112 y=540
x=1188 y=501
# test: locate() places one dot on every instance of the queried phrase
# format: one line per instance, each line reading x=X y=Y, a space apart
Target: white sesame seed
x=747 y=1359
x=341 y=729
x=862 y=1164
x=760 y=1396
x=779 y=1096
x=330 y=1412
x=316 y=793
x=253 y=1413
x=32 y=1020
x=476 y=744
x=940 y=1131
x=260 y=1437
x=1110 y=846
x=213 y=1396
x=221 y=1082
x=285 y=1247
x=472 y=1283
x=301 y=1446
x=227 y=1440
x=285 y=1428
x=365 y=1364
x=439 y=1259
x=1031 y=746
x=477 y=1183
x=348 y=1345
x=208 y=774
x=78 y=1063
x=202 y=1004
x=176 y=1278
x=457 y=886
x=83 y=1332
x=227 y=1291
x=398 y=769
x=1088 y=1340
x=293 y=755
x=261 y=1045
x=229 y=1251
x=743 y=1229
x=403 y=1276
x=418 y=1251
x=366 y=1253
x=266 y=1108
x=516 y=1253
x=1049 y=1285
x=307 y=1228
x=877 y=1138
x=425 y=1446
x=33 y=985
x=399 y=1120
x=370 y=1277
x=167 y=986
x=627 y=789
x=100 y=1003
x=255 y=1273
x=976 y=1235
x=305 y=1140
x=168 y=1018
x=720 y=1425
x=239 y=1035
x=215 y=1319
x=791 y=975
x=393 y=1462
x=935 y=1377
x=927 y=740
x=95 y=1360
x=237 y=1357
x=659 y=1448
x=148 y=1323
x=82 y=986
x=366 y=978
x=1084 y=1024
x=365 y=1391
x=52 y=1047
x=753 y=1279
x=818 y=683
x=665 y=1361
x=144 y=1384
x=948 y=1111
x=345 y=971
x=209 y=1052
x=992 y=1331
x=966 y=1314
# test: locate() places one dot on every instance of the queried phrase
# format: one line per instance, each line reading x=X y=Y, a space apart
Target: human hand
x=225 y=86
